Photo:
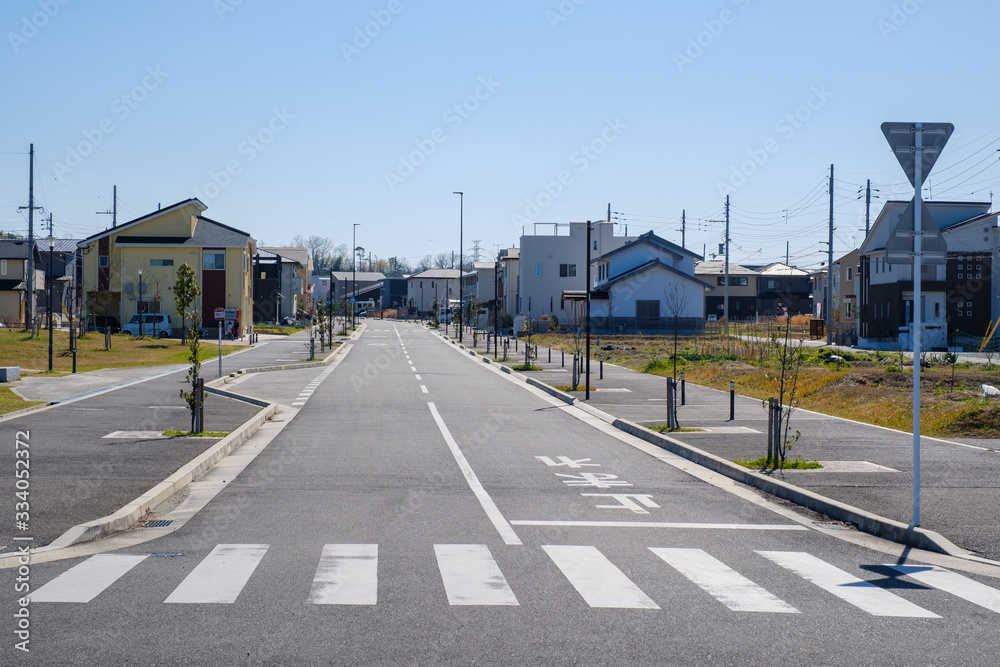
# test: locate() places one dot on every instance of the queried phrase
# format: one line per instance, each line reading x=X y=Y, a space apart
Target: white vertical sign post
x=916 y=239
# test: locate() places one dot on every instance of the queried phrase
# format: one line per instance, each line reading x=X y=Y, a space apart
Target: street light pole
x=461 y=261
x=138 y=305
x=354 y=273
x=52 y=245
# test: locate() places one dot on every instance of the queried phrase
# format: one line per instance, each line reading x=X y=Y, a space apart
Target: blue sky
x=304 y=118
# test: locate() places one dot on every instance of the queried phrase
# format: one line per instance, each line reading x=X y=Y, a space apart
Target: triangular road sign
x=901 y=138
x=899 y=245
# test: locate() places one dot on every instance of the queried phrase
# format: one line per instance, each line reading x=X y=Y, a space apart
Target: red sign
x=220 y=313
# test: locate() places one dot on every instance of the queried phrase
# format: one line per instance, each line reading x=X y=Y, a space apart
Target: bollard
x=682 y=388
x=550 y=355
x=220 y=349
x=563 y=358
x=601 y=356
x=199 y=411
x=770 y=428
x=312 y=349
x=670 y=403
x=515 y=343
x=732 y=400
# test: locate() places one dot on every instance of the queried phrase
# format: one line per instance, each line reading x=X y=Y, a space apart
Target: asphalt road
x=421 y=508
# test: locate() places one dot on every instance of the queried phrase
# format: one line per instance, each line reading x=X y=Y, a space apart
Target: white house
x=554 y=263
x=645 y=284
x=432 y=286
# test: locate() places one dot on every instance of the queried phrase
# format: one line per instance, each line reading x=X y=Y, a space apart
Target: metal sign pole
x=918 y=144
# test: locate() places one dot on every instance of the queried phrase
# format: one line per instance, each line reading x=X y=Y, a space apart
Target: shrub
x=892 y=368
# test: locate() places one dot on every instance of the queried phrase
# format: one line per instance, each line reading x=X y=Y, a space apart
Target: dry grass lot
x=867 y=386
x=18 y=348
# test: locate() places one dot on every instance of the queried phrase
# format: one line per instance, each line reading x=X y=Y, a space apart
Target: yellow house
x=132 y=268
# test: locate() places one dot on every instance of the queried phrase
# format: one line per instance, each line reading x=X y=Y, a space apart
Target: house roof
x=438 y=274
x=946 y=214
x=776 y=269
x=149 y=216
x=207 y=234
x=717 y=267
x=14 y=249
x=360 y=276
x=64 y=246
x=512 y=253
x=648 y=266
x=483 y=266
x=652 y=239
x=294 y=253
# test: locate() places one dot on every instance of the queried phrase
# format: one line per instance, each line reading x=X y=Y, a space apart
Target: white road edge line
x=661 y=524
x=490 y=507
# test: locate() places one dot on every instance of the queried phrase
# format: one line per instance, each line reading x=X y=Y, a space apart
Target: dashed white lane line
x=423 y=388
x=417 y=376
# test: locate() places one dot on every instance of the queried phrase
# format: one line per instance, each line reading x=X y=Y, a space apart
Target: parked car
x=101 y=322
x=153 y=324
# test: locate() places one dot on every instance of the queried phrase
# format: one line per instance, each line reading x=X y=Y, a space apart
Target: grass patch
x=173 y=433
x=11 y=402
x=663 y=428
x=32 y=353
x=526 y=367
x=566 y=387
x=276 y=329
x=790 y=464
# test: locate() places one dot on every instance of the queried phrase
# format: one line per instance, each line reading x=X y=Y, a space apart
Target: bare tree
x=442 y=261
x=675 y=298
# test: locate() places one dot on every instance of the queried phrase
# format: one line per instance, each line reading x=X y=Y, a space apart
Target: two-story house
x=132 y=268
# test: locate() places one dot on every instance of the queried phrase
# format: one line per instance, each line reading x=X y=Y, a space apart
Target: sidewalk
x=866 y=466
x=99 y=447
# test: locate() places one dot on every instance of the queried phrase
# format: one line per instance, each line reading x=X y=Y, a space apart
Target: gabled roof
x=149 y=216
x=207 y=234
x=14 y=248
x=437 y=274
x=294 y=253
x=776 y=269
x=717 y=267
x=652 y=239
x=359 y=276
x=63 y=246
x=651 y=264
x=946 y=214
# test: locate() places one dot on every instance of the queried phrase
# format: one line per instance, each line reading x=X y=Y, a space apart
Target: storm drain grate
x=159 y=523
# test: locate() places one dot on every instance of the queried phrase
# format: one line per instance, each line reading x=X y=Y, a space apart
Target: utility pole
x=829 y=271
x=725 y=290
x=868 y=207
x=114 y=208
x=587 y=381
x=29 y=311
x=683 y=227
x=49 y=276
x=461 y=262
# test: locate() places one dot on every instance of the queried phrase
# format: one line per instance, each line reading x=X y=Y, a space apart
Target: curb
x=128 y=515
x=918 y=538
x=226 y=379
x=895 y=531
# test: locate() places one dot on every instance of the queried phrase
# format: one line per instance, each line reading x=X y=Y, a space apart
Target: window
x=102 y=261
x=567 y=270
x=847 y=309
x=214 y=260
x=647 y=310
x=161 y=262
x=263 y=275
x=773 y=284
x=421 y=284
x=850 y=273
x=538 y=270
x=3 y=267
x=739 y=281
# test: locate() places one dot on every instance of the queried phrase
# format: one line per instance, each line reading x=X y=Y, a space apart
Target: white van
x=153 y=324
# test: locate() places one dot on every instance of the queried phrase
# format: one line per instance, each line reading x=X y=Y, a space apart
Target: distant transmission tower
x=477 y=251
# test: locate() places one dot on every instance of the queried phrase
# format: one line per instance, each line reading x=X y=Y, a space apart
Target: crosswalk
x=348 y=574
x=306 y=393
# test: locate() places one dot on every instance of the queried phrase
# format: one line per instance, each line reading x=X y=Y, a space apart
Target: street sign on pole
x=917 y=146
x=899 y=245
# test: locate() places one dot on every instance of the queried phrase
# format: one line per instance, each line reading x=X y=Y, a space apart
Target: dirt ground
x=866 y=386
